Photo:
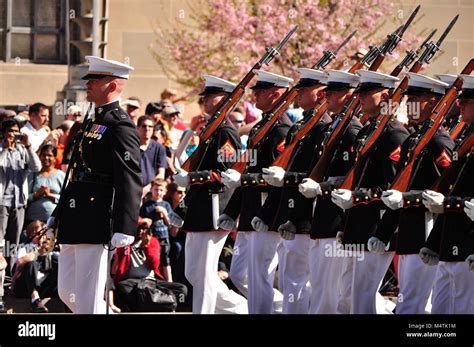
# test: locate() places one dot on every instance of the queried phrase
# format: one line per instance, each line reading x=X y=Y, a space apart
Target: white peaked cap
x=215 y=84
x=419 y=82
x=373 y=79
x=446 y=78
x=309 y=77
x=100 y=67
x=267 y=79
x=467 y=87
x=341 y=79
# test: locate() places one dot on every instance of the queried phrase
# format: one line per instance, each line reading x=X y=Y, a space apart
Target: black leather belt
x=82 y=176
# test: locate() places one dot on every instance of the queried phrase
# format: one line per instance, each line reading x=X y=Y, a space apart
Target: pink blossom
x=229 y=36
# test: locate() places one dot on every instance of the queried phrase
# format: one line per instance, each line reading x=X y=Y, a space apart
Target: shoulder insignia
x=395 y=155
x=444 y=160
x=227 y=150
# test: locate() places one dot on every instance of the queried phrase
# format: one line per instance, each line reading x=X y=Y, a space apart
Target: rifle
x=457 y=129
x=281 y=106
x=374 y=58
x=402 y=180
x=342 y=121
x=410 y=56
x=355 y=174
x=444 y=183
x=194 y=161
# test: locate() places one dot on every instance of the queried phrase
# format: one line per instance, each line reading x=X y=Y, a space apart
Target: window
x=33 y=30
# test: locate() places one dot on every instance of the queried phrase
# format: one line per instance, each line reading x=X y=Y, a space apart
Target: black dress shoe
x=38 y=307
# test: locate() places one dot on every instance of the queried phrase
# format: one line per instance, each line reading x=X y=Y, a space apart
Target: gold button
x=357 y=199
x=208 y=177
x=287 y=181
x=92 y=199
x=408 y=202
x=366 y=198
x=458 y=205
x=200 y=178
x=448 y=206
x=253 y=181
x=375 y=196
x=245 y=182
x=417 y=200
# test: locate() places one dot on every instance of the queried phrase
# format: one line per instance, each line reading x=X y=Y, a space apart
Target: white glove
x=470 y=262
x=342 y=198
x=433 y=201
x=393 y=199
x=310 y=188
x=175 y=220
x=181 y=179
x=287 y=231
x=428 y=256
x=375 y=245
x=258 y=224
x=274 y=176
x=121 y=240
x=231 y=178
x=225 y=222
x=339 y=236
x=469 y=209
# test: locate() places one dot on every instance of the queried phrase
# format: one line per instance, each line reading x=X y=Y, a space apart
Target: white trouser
x=263 y=260
x=453 y=289
x=239 y=268
x=325 y=272
x=296 y=286
x=415 y=280
x=210 y=294
x=345 y=286
x=82 y=275
x=367 y=274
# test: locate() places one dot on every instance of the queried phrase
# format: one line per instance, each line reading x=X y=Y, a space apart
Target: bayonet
x=272 y=52
x=328 y=56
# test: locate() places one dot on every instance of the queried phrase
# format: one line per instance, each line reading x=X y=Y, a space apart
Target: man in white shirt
x=37 y=133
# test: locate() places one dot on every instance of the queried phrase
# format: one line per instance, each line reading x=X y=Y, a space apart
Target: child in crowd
x=163 y=217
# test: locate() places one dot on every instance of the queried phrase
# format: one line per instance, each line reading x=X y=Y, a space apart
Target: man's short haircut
x=144 y=118
x=35 y=108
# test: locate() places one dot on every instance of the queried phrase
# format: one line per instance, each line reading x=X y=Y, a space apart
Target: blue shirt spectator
x=153 y=155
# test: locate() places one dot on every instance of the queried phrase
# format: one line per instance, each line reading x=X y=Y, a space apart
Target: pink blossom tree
x=226 y=37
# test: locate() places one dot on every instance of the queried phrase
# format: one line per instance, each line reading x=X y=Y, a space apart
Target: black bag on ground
x=150 y=296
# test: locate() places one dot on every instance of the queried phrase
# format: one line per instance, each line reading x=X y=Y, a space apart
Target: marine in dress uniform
x=294 y=211
x=407 y=212
x=105 y=190
x=254 y=260
x=452 y=238
x=325 y=266
x=206 y=198
x=362 y=271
